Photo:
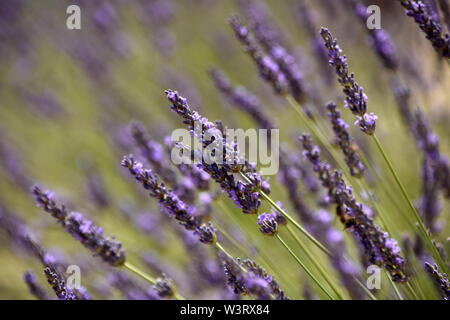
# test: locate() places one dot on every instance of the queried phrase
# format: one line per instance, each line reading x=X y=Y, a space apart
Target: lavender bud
x=207 y=233
x=44 y=199
x=260 y=272
x=380 y=249
x=244 y=195
x=164 y=287
x=268 y=224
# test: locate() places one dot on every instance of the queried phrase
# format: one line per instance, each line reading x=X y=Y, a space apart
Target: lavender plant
x=73 y=104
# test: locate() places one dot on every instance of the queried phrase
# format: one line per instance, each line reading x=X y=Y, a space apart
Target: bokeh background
x=67 y=98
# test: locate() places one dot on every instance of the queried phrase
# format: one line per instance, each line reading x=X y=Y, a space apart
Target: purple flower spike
x=245 y=282
x=207 y=233
x=379 y=38
x=345 y=141
x=35 y=289
x=268 y=69
x=378 y=247
x=83 y=230
x=244 y=195
x=440 y=278
x=56 y=280
x=356 y=100
x=168 y=200
x=432 y=29
x=242 y=99
x=164 y=287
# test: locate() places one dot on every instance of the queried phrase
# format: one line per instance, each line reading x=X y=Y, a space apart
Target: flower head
x=268 y=224
x=356 y=100
x=90 y=235
x=432 y=29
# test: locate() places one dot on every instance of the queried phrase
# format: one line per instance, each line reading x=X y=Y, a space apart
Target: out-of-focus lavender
x=83 y=230
x=431 y=27
x=73 y=102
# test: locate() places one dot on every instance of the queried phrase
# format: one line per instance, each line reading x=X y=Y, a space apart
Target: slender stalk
x=231 y=239
x=264 y=258
x=422 y=227
x=408 y=285
x=367 y=291
x=397 y=291
x=140 y=273
x=146 y=277
x=303 y=266
x=221 y=248
x=311 y=257
x=361 y=184
x=289 y=218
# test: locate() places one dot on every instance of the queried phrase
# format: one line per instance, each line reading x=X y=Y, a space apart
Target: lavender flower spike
x=35 y=289
x=440 y=278
x=56 y=280
x=164 y=287
x=267 y=67
x=344 y=140
x=170 y=202
x=90 y=235
x=356 y=100
x=242 y=99
x=379 y=38
x=259 y=271
x=246 y=283
x=244 y=195
x=432 y=29
x=380 y=249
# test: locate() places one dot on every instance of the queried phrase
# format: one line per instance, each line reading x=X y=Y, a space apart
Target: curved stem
x=140 y=273
x=408 y=285
x=316 y=264
x=302 y=265
x=397 y=291
x=288 y=217
x=146 y=277
x=417 y=217
x=219 y=246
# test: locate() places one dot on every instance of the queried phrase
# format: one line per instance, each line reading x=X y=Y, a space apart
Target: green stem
x=408 y=285
x=367 y=291
x=316 y=264
x=288 y=217
x=146 y=277
x=140 y=273
x=302 y=265
x=422 y=227
x=264 y=258
x=397 y=291
x=219 y=246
